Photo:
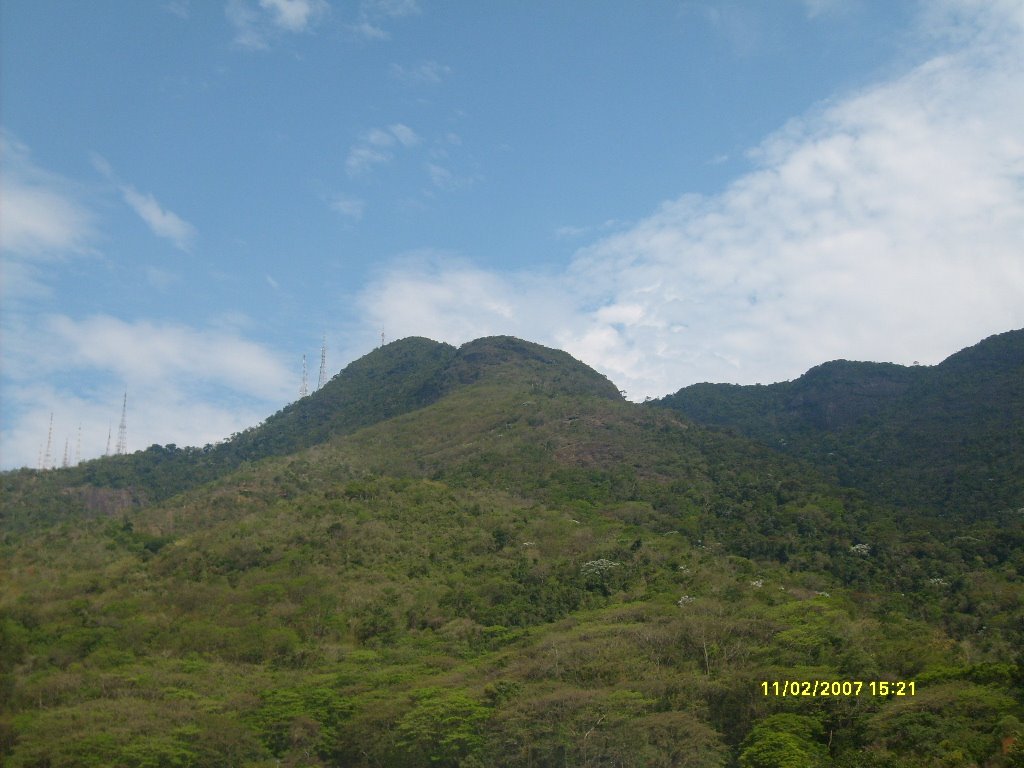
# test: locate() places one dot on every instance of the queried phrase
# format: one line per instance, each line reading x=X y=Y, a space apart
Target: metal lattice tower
x=67 y=442
x=107 y=452
x=78 y=447
x=304 y=387
x=122 y=429
x=49 y=444
x=323 y=364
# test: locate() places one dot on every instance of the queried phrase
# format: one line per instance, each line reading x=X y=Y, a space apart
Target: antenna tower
x=78 y=447
x=64 y=464
x=107 y=452
x=122 y=429
x=323 y=364
x=382 y=337
x=304 y=387
x=49 y=444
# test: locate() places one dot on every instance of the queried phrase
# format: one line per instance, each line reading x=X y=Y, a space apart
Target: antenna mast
x=78 y=447
x=382 y=337
x=49 y=444
x=107 y=452
x=323 y=364
x=67 y=441
x=122 y=429
x=304 y=388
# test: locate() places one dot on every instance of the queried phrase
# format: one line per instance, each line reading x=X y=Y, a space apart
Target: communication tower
x=323 y=364
x=304 y=387
x=49 y=444
x=107 y=452
x=67 y=441
x=122 y=429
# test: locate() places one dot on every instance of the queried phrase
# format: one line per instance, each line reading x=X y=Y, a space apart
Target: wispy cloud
x=294 y=15
x=255 y=24
x=179 y=8
x=374 y=14
x=424 y=73
x=816 y=8
x=161 y=221
x=375 y=147
x=884 y=225
x=443 y=178
x=349 y=207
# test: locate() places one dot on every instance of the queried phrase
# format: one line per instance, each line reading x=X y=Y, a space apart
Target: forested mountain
x=403 y=376
x=484 y=556
x=947 y=438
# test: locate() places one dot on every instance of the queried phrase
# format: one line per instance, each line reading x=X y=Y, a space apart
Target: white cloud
x=294 y=15
x=424 y=73
x=161 y=279
x=256 y=24
x=162 y=222
x=369 y=31
x=362 y=158
x=179 y=8
x=349 y=207
x=437 y=295
x=373 y=14
x=816 y=8
x=406 y=136
x=375 y=147
x=394 y=9
x=186 y=385
x=245 y=20
x=886 y=225
x=40 y=213
x=144 y=352
x=443 y=178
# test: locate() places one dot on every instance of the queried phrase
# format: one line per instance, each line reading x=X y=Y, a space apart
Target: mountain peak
x=510 y=359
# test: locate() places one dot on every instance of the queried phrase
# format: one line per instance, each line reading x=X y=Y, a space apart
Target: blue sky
x=195 y=193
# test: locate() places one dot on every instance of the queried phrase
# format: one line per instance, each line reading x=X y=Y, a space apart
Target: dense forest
x=484 y=556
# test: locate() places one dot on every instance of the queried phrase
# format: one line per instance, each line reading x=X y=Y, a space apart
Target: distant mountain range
x=947 y=438
x=485 y=556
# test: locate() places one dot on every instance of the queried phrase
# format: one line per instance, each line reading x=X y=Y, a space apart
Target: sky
x=195 y=194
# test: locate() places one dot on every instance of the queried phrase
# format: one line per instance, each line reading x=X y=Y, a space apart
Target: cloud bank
x=886 y=225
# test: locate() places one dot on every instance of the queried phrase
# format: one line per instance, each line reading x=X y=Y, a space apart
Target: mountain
x=485 y=556
x=398 y=378
x=947 y=438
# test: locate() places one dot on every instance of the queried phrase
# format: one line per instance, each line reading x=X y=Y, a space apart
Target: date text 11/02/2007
x=838 y=688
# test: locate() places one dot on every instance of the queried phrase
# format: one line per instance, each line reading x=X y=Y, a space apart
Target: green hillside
x=498 y=563
x=947 y=438
x=395 y=379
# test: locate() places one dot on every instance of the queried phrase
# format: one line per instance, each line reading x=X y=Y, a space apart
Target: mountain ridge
x=925 y=436
x=500 y=562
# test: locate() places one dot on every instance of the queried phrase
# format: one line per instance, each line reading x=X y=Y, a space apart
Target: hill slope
x=505 y=564
x=398 y=378
x=947 y=438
